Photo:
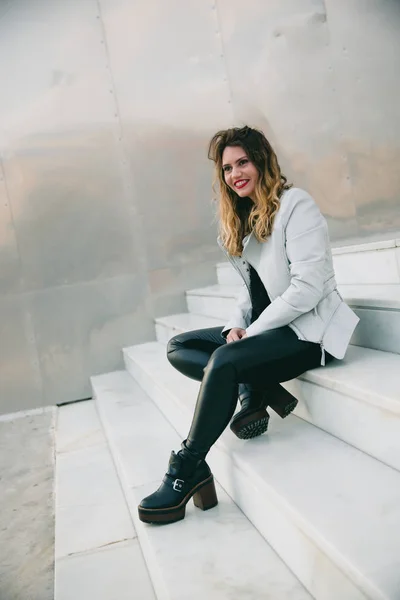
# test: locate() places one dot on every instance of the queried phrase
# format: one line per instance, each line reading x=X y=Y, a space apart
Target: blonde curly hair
x=237 y=217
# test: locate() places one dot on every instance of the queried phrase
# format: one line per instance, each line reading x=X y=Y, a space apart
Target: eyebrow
x=238 y=160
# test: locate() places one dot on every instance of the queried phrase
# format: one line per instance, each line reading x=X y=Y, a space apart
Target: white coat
x=295 y=265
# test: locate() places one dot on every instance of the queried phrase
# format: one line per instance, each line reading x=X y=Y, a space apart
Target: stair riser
x=211 y=306
x=369 y=428
x=227 y=275
x=374 y=267
x=388 y=292
x=164 y=332
x=310 y=563
x=378 y=329
x=370 y=267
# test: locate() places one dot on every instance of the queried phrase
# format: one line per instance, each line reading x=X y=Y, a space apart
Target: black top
x=258 y=294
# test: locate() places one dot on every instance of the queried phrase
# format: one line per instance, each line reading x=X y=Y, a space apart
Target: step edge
x=162 y=320
x=156 y=580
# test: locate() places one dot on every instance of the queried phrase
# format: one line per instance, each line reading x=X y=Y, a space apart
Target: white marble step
x=330 y=511
x=370 y=296
x=365 y=264
x=216 y=301
x=226 y=274
x=378 y=309
x=362 y=389
x=168 y=326
x=207 y=554
x=97 y=552
x=365 y=295
x=373 y=263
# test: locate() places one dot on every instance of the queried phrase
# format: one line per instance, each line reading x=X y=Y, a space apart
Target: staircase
x=310 y=510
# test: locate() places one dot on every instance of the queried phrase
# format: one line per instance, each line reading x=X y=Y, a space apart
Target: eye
x=226 y=169
x=244 y=161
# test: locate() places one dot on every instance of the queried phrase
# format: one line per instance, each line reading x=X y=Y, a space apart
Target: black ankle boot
x=281 y=401
x=252 y=419
x=188 y=476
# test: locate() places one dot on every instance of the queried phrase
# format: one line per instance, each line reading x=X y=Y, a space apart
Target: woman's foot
x=252 y=419
x=187 y=477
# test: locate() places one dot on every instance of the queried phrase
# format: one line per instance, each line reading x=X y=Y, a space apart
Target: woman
x=289 y=317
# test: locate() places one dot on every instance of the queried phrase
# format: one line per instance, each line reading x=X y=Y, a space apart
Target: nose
x=236 y=172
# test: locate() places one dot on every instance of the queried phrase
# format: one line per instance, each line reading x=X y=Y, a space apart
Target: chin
x=244 y=194
x=241 y=193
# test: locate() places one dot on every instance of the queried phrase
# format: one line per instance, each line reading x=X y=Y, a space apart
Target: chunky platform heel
x=186 y=478
x=281 y=401
x=206 y=497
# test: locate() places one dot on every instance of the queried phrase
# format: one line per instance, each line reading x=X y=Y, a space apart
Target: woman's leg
x=188 y=475
x=259 y=360
x=262 y=361
x=190 y=352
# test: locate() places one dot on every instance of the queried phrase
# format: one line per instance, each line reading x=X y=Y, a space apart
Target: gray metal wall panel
x=68 y=203
x=170 y=72
x=74 y=222
x=166 y=285
x=175 y=203
x=10 y=271
x=172 y=94
x=365 y=44
x=80 y=330
x=53 y=58
x=282 y=80
x=322 y=79
x=20 y=376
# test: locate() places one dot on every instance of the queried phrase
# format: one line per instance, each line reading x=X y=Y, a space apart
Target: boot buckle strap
x=178 y=485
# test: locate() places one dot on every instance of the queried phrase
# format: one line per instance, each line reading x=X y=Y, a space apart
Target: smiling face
x=240 y=173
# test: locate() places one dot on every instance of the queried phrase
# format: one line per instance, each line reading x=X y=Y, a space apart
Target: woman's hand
x=236 y=334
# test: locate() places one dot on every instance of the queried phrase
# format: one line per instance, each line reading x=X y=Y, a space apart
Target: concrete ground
x=27 y=506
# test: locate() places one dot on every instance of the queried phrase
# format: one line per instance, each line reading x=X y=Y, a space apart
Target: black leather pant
x=260 y=361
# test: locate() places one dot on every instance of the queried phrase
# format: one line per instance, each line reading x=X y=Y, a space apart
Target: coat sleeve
x=306 y=243
x=242 y=312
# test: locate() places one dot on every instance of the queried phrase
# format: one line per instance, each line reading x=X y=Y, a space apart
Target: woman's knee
x=176 y=343
x=220 y=358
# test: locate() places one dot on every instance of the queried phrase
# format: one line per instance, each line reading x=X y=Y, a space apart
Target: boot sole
x=282 y=401
x=284 y=411
x=204 y=497
x=251 y=426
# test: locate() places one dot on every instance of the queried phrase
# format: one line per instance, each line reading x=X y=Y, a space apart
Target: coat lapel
x=252 y=251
